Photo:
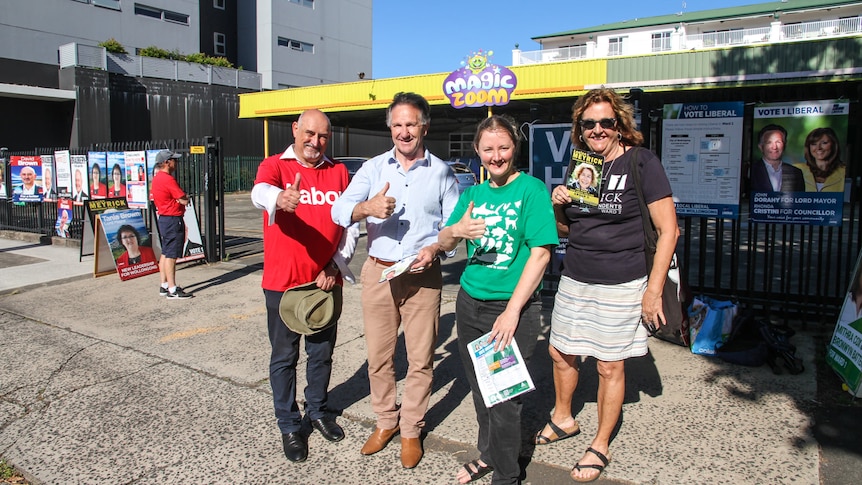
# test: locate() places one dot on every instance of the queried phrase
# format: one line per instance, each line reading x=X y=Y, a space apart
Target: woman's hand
x=468 y=227
x=560 y=196
x=504 y=329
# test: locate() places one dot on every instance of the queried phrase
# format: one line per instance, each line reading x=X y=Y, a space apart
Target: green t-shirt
x=518 y=216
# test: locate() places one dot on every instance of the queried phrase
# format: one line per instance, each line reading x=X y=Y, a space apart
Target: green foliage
x=6 y=471
x=113 y=46
x=175 y=55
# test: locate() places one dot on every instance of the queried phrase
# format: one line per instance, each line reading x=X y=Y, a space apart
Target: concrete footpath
x=103 y=381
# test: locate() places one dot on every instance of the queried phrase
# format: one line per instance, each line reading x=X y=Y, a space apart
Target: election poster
x=550 y=152
x=702 y=156
x=49 y=185
x=844 y=353
x=3 y=179
x=81 y=187
x=136 y=179
x=130 y=243
x=26 y=174
x=797 y=172
x=63 y=172
x=97 y=162
x=65 y=216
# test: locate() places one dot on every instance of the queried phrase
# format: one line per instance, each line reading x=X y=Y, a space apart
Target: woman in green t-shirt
x=509 y=227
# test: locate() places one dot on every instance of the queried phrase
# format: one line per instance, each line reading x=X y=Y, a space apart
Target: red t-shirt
x=298 y=245
x=165 y=192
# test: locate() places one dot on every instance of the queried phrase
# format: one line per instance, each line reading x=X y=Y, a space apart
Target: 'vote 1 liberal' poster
x=798 y=170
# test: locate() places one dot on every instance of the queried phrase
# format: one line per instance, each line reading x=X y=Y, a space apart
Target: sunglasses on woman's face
x=606 y=123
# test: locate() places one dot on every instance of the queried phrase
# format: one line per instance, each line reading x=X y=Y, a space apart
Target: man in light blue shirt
x=405 y=196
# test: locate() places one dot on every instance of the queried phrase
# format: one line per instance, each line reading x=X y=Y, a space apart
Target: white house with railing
x=772 y=22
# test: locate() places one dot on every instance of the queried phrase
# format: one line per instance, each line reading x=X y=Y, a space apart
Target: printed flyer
x=502 y=374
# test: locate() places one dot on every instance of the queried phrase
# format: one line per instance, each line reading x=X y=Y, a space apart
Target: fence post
x=212 y=182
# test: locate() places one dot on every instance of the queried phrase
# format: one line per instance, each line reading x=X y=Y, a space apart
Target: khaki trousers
x=411 y=301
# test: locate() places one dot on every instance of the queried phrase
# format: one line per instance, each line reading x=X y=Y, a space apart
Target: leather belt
x=381 y=262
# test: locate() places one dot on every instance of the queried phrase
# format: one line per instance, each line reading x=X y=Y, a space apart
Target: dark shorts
x=172 y=234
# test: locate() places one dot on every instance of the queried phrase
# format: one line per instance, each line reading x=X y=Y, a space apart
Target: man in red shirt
x=171 y=202
x=296 y=190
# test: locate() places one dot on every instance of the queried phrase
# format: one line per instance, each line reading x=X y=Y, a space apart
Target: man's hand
x=326 y=279
x=467 y=227
x=424 y=258
x=288 y=198
x=380 y=206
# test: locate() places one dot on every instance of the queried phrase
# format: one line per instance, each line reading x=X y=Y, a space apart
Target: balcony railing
x=825 y=28
x=789 y=32
x=551 y=55
x=140 y=66
x=726 y=38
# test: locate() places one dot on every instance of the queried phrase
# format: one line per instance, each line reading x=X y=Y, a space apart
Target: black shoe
x=328 y=428
x=295 y=446
x=178 y=294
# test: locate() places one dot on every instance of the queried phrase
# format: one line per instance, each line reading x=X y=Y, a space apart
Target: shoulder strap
x=650 y=235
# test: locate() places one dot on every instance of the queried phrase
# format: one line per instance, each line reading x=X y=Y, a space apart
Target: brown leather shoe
x=411 y=452
x=378 y=440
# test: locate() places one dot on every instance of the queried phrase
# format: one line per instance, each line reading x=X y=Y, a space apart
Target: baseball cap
x=165 y=155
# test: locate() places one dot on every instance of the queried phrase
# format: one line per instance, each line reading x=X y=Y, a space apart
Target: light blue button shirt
x=424 y=196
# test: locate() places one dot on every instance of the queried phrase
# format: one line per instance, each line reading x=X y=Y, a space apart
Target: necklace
x=611 y=163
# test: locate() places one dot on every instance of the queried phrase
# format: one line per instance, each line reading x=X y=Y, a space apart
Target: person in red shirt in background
x=302 y=245
x=171 y=202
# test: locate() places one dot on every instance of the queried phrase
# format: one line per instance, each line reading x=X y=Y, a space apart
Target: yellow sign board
x=197 y=149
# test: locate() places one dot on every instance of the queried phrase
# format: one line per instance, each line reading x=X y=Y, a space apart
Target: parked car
x=466 y=177
x=352 y=164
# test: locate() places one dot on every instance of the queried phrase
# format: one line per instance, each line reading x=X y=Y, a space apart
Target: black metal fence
x=793 y=272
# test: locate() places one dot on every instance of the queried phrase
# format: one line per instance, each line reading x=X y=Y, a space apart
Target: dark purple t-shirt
x=606 y=243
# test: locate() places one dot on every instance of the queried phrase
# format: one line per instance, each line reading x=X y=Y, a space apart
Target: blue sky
x=431 y=36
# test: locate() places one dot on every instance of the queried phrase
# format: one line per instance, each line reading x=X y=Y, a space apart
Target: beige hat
x=306 y=309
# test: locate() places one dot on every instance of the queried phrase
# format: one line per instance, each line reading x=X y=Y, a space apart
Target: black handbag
x=676 y=295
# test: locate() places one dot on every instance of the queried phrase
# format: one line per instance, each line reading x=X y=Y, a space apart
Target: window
x=219 y=4
x=615 y=46
x=296 y=45
x=112 y=4
x=304 y=3
x=661 y=41
x=148 y=11
x=219 y=44
x=158 y=13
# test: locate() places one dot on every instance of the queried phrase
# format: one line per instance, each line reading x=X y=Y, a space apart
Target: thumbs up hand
x=381 y=206
x=468 y=227
x=288 y=199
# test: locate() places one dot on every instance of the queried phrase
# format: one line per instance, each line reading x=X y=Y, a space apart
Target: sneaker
x=179 y=294
x=163 y=291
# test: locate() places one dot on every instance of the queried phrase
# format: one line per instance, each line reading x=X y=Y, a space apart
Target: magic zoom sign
x=479 y=83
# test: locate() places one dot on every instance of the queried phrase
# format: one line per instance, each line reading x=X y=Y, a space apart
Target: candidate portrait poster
x=702 y=156
x=80 y=179
x=97 y=163
x=130 y=243
x=65 y=216
x=3 y=180
x=151 y=171
x=26 y=178
x=799 y=178
x=63 y=173
x=49 y=183
x=136 y=179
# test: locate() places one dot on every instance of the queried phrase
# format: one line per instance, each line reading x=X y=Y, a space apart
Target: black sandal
x=600 y=468
x=560 y=433
x=480 y=470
